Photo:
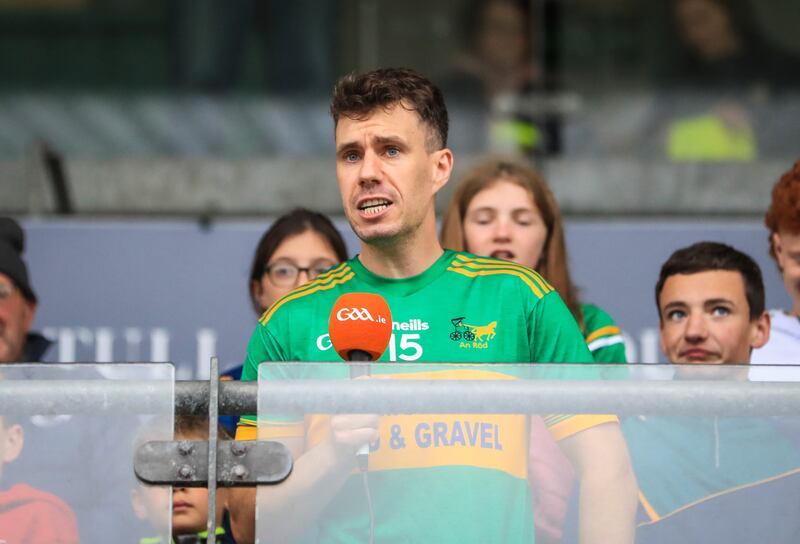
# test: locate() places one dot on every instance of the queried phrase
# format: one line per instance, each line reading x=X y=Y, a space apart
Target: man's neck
x=401 y=260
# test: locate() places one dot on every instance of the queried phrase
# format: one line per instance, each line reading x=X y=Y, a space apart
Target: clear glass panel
x=67 y=464
x=457 y=457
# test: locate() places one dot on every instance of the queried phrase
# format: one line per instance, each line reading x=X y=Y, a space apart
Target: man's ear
x=15 y=439
x=778 y=247
x=442 y=168
x=759 y=333
x=30 y=314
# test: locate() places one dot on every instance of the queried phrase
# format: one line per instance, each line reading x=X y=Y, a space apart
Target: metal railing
x=622 y=397
x=232 y=463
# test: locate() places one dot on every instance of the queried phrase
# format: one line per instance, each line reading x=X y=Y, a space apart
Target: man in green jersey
x=433 y=477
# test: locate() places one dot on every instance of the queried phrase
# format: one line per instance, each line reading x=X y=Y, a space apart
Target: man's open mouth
x=374 y=206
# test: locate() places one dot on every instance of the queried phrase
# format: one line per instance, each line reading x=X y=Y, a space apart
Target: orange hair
x=784 y=210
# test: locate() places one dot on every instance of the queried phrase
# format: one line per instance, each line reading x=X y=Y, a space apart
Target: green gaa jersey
x=433 y=477
x=602 y=335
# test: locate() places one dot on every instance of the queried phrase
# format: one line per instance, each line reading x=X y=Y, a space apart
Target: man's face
x=387 y=176
x=16 y=318
x=705 y=318
x=787 y=251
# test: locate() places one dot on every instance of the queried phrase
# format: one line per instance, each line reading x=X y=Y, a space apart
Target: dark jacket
x=36 y=346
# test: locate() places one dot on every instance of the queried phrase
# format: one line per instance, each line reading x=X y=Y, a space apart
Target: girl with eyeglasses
x=297 y=248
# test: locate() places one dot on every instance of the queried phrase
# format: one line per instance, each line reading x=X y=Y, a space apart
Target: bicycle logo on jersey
x=472 y=336
x=460 y=330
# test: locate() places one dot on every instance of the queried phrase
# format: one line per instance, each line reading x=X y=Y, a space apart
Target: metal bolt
x=238 y=449
x=185 y=447
x=239 y=472
x=185 y=472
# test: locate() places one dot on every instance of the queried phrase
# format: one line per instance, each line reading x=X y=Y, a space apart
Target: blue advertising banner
x=176 y=290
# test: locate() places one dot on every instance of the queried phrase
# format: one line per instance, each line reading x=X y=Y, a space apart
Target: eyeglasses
x=284 y=273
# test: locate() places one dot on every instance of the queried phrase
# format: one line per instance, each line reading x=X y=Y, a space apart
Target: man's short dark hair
x=357 y=96
x=706 y=256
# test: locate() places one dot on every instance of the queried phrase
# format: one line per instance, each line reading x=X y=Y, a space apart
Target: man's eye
x=720 y=311
x=675 y=315
x=392 y=152
x=351 y=156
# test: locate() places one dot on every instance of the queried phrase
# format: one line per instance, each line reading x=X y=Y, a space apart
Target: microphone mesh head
x=360 y=321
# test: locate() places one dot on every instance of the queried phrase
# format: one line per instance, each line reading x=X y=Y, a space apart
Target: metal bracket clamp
x=184 y=463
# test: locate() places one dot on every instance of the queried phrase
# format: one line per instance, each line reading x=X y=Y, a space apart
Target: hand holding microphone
x=360 y=328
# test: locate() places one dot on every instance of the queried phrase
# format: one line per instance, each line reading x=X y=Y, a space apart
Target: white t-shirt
x=783 y=348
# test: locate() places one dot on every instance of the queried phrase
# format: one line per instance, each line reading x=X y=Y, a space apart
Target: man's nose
x=370 y=167
x=696 y=327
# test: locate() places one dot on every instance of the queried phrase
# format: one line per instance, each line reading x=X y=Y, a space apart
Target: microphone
x=360 y=327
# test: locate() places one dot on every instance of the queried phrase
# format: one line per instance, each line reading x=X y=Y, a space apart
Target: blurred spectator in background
x=721 y=46
x=498 y=58
x=17 y=300
x=499 y=67
x=783 y=222
x=713 y=479
x=506 y=210
x=28 y=515
x=719 y=83
x=296 y=248
x=210 y=43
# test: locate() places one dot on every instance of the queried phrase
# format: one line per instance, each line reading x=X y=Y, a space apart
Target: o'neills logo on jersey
x=358 y=314
x=411 y=325
x=472 y=336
